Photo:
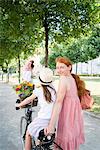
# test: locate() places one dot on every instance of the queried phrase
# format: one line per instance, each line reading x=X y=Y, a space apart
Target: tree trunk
x=7 y=73
x=2 y=72
x=87 y=68
x=2 y=76
x=91 y=68
x=46 y=41
x=81 y=68
x=8 y=76
x=19 y=69
x=76 y=67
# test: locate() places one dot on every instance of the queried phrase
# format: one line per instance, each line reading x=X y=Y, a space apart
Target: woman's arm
x=26 y=101
x=62 y=88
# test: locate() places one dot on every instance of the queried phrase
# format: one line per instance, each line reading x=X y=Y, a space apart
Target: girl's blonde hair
x=79 y=83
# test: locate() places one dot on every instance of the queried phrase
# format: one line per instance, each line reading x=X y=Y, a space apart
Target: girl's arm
x=26 y=101
x=62 y=88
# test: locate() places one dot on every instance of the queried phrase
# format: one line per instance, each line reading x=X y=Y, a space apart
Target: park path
x=92 y=133
x=9 y=119
x=9 y=123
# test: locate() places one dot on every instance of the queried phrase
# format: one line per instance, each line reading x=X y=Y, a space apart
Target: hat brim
x=44 y=83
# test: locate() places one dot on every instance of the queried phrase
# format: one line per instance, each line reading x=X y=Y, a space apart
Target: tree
x=78 y=50
x=14 y=29
x=62 y=19
x=59 y=19
x=93 y=44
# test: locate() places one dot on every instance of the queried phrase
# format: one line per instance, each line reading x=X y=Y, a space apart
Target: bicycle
x=46 y=142
x=25 y=120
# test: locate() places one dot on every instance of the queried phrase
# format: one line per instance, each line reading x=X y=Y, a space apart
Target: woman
x=46 y=95
x=67 y=108
x=27 y=71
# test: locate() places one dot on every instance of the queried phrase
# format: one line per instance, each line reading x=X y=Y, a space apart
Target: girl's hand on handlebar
x=48 y=130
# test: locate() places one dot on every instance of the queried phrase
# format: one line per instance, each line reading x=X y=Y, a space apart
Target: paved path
x=9 y=119
x=9 y=123
x=92 y=133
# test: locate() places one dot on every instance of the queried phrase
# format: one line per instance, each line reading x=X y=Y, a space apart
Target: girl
x=46 y=95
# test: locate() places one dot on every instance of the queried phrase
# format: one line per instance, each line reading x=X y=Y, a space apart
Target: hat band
x=43 y=81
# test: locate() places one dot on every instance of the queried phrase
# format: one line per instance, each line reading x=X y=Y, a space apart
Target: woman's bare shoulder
x=64 y=78
x=65 y=81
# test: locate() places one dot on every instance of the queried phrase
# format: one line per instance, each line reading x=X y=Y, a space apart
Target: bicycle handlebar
x=26 y=106
x=17 y=101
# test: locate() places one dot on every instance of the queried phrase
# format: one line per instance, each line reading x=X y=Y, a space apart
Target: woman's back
x=73 y=88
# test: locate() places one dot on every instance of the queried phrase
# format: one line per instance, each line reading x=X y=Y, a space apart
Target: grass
x=96 y=106
x=91 y=80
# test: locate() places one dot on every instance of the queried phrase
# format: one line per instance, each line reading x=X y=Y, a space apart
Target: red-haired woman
x=67 y=108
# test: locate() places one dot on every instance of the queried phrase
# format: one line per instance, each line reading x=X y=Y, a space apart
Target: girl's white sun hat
x=46 y=76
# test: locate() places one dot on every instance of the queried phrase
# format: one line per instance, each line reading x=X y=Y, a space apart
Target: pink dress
x=70 y=131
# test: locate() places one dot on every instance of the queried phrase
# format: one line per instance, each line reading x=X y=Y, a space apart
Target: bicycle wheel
x=23 y=129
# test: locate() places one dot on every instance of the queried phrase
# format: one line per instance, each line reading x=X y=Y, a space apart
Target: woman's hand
x=48 y=130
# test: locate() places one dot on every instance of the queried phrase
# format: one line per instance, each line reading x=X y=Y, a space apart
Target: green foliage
x=93 y=48
x=79 y=50
x=96 y=106
x=27 y=23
